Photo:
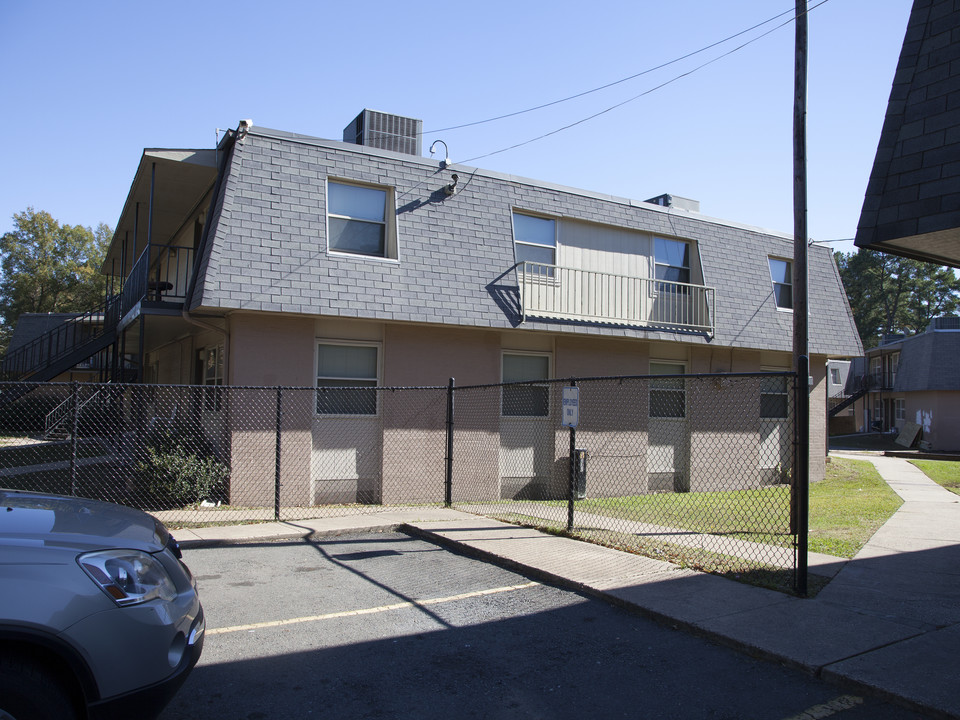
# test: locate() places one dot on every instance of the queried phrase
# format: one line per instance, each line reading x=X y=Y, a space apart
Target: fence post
x=573 y=472
x=74 y=425
x=448 y=481
x=276 y=477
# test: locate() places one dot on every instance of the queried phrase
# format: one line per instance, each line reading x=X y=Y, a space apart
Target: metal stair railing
x=60 y=342
x=54 y=419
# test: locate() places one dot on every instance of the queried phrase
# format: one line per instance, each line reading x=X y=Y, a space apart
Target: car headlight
x=128 y=576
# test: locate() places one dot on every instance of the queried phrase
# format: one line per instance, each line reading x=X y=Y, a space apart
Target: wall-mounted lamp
x=451 y=189
x=446 y=153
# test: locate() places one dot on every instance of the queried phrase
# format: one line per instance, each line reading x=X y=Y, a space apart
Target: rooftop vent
x=384 y=131
x=947 y=322
x=675 y=201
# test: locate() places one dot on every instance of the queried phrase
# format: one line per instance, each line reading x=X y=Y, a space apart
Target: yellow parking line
x=369 y=611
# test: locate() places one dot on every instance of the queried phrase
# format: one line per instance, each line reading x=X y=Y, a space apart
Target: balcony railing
x=551 y=291
x=159 y=275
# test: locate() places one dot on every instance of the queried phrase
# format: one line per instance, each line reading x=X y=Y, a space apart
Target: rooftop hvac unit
x=385 y=131
x=948 y=322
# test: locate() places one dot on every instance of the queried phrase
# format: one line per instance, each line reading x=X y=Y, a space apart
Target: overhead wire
x=622 y=80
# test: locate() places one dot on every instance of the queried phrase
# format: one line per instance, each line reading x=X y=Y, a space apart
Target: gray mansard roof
x=912 y=206
x=267 y=249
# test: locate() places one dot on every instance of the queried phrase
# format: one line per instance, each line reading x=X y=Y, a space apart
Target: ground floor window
x=210 y=364
x=774 y=399
x=668 y=396
x=347 y=375
x=525 y=400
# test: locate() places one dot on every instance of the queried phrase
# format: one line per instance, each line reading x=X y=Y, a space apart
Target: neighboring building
x=917 y=379
x=912 y=203
x=282 y=259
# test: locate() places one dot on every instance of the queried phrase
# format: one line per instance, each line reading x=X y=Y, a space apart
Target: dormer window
x=359 y=220
x=781 y=273
x=672 y=260
x=535 y=239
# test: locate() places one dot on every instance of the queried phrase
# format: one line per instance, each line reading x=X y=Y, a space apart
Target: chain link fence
x=694 y=469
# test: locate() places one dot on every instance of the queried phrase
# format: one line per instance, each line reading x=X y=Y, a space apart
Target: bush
x=181 y=478
x=178 y=467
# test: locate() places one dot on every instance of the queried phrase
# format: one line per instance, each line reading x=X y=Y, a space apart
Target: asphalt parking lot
x=387 y=626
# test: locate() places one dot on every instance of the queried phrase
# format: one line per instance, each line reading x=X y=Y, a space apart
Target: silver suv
x=99 y=618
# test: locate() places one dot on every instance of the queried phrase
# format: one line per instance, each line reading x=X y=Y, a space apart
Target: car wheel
x=29 y=692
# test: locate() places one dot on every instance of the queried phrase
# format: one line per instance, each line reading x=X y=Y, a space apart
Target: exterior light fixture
x=446 y=153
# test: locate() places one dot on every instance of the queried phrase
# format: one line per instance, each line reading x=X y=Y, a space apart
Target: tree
x=49 y=267
x=890 y=294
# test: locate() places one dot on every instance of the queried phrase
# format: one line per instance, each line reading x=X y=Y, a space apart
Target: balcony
x=160 y=275
x=561 y=293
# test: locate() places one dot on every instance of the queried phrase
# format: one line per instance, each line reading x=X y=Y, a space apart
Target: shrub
x=182 y=478
x=179 y=467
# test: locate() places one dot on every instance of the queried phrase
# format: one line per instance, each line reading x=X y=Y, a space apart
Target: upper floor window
x=535 y=239
x=672 y=260
x=359 y=220
x=892 y=363
x=347 y=375
x=834 y=376
x=781 y=272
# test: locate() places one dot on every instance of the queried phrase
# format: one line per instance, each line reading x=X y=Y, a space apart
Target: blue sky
x=88 y=85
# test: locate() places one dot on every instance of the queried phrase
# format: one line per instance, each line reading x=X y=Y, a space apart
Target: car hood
x=55 y=520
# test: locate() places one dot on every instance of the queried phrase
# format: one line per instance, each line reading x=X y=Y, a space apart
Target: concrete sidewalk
x=888 y=622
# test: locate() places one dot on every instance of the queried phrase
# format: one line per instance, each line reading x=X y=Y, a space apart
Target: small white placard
x=571 y=406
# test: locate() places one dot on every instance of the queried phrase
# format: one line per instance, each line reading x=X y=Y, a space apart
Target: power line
x=610 y=84
x=635 y=97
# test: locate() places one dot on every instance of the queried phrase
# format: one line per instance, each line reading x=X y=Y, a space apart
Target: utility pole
x=801 y=356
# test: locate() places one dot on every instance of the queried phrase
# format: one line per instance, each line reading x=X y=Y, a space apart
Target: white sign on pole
x=571 y=406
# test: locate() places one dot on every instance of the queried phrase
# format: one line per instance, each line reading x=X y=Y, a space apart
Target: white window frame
x=680 y=368
x=390 y=249
x=518 y=243
x=770 y=260
x=545 y=388
x=770 y=386
x=212 y=380
x=658 y=263
x=835 y=377
x=892 y=362
x=876 y=370
x=346 y=382
x=900 y=409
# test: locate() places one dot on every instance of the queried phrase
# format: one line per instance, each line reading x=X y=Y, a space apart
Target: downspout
x=229 y=142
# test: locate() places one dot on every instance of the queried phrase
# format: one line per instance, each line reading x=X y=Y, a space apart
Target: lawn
x=846 y=509
x=942 y=472
x=848 y=506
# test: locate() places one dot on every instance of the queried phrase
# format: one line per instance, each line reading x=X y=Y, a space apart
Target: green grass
x=846 y=509
x=746 y=513
x=848 y=506
x=942 y=472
